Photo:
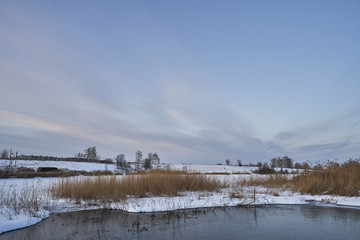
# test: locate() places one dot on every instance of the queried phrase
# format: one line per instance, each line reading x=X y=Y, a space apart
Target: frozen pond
x=264 y=222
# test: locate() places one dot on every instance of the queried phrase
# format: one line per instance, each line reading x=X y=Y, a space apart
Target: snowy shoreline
x=23 y=221
x=227 y=197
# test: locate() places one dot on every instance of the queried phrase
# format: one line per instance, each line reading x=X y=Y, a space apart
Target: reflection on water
x=271 y=222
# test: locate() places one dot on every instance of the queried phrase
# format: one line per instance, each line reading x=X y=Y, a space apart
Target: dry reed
x=335 y=179
x=24 y=200
x=341 y=180
x=155 y=183
x=269 y=181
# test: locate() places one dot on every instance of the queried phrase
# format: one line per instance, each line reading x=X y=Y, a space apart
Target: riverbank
x=40 y=203
x=245 y=222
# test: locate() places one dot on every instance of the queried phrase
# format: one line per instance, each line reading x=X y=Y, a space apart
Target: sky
x=195 y=81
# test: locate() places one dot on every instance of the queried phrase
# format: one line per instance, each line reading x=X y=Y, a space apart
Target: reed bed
x=339 y=180
x=269 y=181
x=155 y=183
x=334 y=179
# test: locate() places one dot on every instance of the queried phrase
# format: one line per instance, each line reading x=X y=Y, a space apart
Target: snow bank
x=19 y=221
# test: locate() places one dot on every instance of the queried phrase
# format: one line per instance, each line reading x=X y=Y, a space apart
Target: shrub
x=265 y=170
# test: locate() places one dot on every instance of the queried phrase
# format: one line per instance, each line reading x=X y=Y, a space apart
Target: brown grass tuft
x=155 y=183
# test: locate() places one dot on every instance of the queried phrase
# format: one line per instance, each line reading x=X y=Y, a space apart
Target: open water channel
x=261 y=222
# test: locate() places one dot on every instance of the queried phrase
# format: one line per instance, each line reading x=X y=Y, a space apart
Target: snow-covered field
x=90 y=167
x=214 y=168
x=219 y=169
x=12 y=189
x=76 y=166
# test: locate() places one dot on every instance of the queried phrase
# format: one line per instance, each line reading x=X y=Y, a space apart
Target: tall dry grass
x=27 y=199
x=112 y=188
x=341 y=180
x=269 y=181
x=334 y=179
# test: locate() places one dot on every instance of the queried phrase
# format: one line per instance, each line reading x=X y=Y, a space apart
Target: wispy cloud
x=142 y=80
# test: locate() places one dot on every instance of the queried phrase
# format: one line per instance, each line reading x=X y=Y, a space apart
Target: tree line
x=151 y=160
x=120 y=160
x=276 y=162
x=90 y=155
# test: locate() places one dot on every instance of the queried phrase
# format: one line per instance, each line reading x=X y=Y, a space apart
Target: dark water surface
x=270 y=222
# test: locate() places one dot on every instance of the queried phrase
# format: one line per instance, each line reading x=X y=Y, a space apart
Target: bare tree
x=90 y=153
x=5 y=153
x=80 y=155
x=239 y=162
x=227 y=161
x=138 y=159
x=156 y=159
x=121 y=162
x=288 y=162
x=150 y=156
x=147 y=163
x=282 y=162
x=298 y=166
x=274 y=162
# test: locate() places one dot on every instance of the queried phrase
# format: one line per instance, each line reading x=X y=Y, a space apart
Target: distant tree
x=80 y=155
x=5 y=153
x=91 y=153
x=287 y=162
x=282 y=162
x=147 y=163
x=274 y=162
x=138 y=159
x=265 y=169
x=150 y=156
x=259 y=164
x=227 y=161
x=297 y=166
x=265 y=165
x=239 y=162
x=156 y=159
x=121 y=162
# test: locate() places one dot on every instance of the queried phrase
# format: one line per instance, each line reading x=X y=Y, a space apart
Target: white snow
x=228 y=169
x=77 y=166
x=232 y=196
x=214 y=168
x=19 y=221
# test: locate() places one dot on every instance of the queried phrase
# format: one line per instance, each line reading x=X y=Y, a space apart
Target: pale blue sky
x=195 y=81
